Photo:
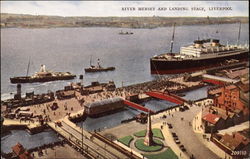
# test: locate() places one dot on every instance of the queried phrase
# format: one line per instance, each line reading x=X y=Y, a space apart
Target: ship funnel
x=18 y=91
x=17 y=96
x=198 y=43
x=42 y=69
x=215 y=42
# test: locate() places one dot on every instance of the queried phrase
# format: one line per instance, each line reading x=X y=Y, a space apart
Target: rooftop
x=237 y=74
x=18 y=149
x=234 y=141
x=104 y=102
x=211 y=118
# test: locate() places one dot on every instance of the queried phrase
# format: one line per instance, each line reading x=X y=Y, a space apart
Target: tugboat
x=43 y=76
x=200 y=55
x=98 y=68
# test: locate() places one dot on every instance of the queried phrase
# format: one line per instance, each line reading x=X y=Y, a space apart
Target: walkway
x=167 y=96
x=136 y=106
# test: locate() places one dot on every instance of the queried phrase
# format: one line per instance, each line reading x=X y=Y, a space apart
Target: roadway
x=91 y=145
x=186 y=135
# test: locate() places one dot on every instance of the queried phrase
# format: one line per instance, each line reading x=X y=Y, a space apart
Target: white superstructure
x=208 y=48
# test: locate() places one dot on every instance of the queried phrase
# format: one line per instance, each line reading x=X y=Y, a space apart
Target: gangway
x=137 y=106
x=167 y=96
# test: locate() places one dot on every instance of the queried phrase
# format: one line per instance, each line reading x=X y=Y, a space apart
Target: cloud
x=114 y=8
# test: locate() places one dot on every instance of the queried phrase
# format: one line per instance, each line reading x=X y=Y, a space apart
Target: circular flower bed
x=157 y=146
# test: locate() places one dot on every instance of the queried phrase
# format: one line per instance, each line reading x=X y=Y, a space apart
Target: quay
x=76 y=101
x=32 y=127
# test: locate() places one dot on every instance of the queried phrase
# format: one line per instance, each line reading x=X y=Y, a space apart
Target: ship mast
x=172 y=41
x=90 y=62
x=28 y=68
x=239 y=35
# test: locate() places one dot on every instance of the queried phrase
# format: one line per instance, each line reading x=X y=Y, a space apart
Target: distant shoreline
x=33 y=21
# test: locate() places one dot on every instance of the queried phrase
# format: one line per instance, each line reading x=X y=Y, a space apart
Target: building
x=212 y=122
x=235 y=145
x=104 y=106
x=65 y=94
x=20 y=152
x=231 y=98
x=215 y=118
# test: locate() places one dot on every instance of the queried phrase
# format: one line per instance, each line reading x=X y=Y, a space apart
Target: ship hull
x=99 y=69
x=28 y=79
x=159 y=66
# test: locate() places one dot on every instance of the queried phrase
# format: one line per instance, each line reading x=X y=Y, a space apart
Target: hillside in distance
x=40 y=21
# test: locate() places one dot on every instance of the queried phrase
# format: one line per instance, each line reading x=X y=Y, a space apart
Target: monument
x=149 y=134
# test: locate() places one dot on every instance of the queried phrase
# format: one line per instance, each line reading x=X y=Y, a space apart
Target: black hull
x=159 y=66
x=99 y=69
x=28 y=79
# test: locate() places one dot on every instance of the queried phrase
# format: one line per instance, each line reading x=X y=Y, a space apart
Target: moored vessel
x=200 y=55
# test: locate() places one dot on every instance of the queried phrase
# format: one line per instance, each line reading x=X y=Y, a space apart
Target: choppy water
x=70 y=49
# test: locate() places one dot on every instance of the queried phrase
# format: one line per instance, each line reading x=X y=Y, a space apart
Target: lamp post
x=82 y=137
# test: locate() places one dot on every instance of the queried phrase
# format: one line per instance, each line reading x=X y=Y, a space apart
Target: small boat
x=98 y=68
x=125 y=33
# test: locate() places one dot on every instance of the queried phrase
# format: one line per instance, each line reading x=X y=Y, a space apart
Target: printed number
x=237 y=153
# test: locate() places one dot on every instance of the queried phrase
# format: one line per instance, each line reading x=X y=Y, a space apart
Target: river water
x=27 y=140
x=70 y=49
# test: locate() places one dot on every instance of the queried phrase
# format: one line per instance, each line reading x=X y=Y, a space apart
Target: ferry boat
x=200 y=55
x=43 y=76
x=98 y=68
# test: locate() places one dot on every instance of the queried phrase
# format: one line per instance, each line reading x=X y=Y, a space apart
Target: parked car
x=170 y=126
x=177 y=141
x=186 y=107
x=182 y=148
x=174 y=134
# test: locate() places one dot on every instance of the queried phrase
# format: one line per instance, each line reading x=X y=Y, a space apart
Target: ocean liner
x=200 y=55
x=43 y=76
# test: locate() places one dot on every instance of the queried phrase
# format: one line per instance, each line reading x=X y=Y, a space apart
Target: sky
x=120 y=8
